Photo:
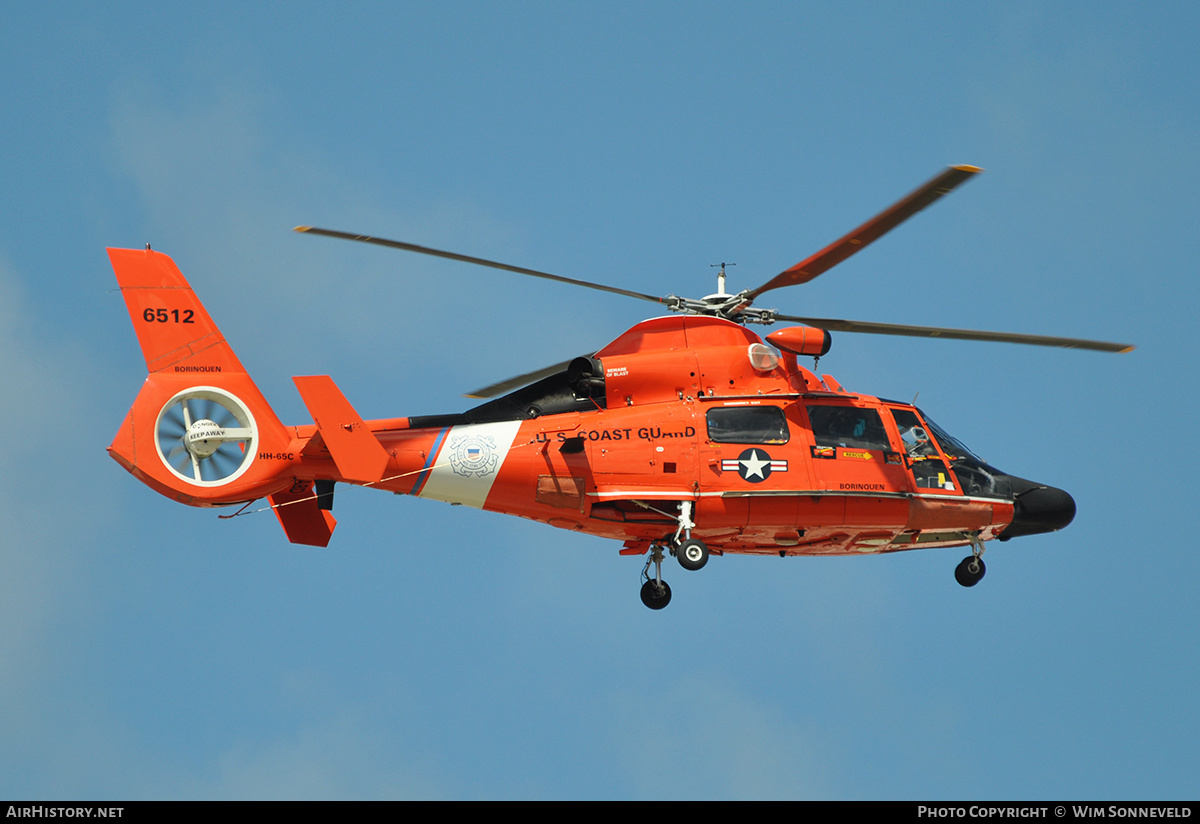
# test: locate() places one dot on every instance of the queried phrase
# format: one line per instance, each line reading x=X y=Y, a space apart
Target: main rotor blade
x=872 y=230
x=518 y=381
x=868 y=328
x=425 y=250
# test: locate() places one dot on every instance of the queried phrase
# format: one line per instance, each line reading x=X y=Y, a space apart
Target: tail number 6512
x=168 y=316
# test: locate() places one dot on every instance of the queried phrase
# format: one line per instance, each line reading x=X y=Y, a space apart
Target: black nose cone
x=1038 y=508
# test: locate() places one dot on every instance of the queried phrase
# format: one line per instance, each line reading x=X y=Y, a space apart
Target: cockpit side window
x=917 y=442
x=848 y=426
x=928 y=468
x=747 y=424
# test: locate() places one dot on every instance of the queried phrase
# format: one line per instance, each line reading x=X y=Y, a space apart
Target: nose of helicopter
x=1038 y=508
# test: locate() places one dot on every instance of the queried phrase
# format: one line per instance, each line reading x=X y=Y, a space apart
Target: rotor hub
x=203 y=438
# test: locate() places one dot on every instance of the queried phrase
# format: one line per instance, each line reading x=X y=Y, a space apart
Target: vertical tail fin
x=199 y=432
x=176 y=334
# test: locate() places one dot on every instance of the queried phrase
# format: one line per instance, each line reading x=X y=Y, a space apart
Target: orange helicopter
x=687 y=435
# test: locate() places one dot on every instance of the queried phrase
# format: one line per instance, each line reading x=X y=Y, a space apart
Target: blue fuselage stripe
x=429 y=461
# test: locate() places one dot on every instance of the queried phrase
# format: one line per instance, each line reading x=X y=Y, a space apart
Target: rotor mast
x=721 y=277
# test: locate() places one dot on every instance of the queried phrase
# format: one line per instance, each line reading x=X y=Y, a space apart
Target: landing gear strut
x=691 y=552
x=970 y=572
x=655 y=592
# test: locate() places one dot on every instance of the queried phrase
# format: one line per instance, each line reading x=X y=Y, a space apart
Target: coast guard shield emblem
x=473 y=455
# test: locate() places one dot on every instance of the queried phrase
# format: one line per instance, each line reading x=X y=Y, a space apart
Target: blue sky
x=149 y=650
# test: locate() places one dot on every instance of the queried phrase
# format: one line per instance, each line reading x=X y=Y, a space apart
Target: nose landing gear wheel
x=970 y=572
x=653 y=596
x=692 y=554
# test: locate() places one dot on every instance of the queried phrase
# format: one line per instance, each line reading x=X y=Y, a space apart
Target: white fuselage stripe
x=469 y=462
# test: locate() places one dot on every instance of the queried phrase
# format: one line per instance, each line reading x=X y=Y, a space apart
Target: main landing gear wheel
x=656 y=594
x=970 y=572
x=692 y=554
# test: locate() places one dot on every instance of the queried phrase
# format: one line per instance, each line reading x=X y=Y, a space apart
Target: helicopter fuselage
x=772 y=459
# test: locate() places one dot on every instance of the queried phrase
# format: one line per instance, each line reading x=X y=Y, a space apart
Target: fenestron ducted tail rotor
x=206 y=436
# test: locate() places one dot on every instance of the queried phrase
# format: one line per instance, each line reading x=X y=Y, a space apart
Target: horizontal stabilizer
x=302 y=519
x=359 y=456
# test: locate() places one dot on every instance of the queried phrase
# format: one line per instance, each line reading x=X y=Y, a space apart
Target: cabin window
x=848 y=426
x=747 y=424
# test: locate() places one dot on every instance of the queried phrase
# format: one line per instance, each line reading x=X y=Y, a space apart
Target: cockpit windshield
x=921 y=440
x=952 y=446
